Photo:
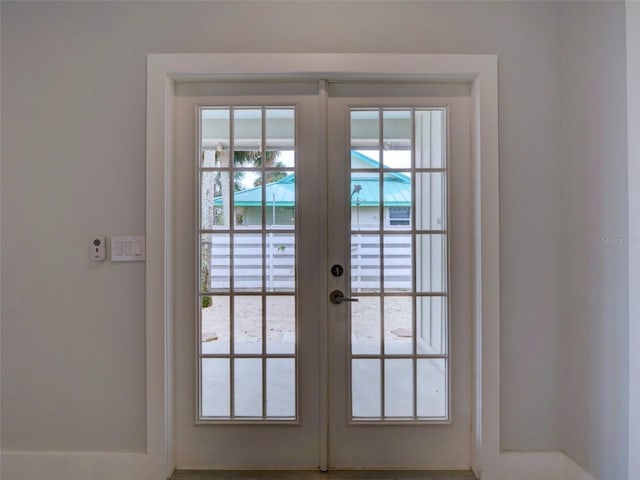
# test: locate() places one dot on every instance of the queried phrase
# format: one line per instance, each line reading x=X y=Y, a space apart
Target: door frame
x=163 y=70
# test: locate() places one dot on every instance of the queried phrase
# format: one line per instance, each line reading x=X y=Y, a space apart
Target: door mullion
x=263 y=237
x=232 y=298
x=414 y=306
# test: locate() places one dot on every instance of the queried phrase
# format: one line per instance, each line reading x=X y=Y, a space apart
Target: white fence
x=280 y=262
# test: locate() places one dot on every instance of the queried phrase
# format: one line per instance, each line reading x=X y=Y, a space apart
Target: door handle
x=337 y=297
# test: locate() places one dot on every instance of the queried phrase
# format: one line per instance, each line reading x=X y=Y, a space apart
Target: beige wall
x=73 y=125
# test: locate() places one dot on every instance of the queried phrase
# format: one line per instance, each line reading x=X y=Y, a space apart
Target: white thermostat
x=128 y=249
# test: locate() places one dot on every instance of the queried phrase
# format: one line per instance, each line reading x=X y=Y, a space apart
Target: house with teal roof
x=366 y=193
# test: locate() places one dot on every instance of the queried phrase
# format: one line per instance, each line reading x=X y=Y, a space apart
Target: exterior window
x=399 y=215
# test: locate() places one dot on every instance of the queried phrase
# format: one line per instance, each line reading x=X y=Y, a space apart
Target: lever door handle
x=337 y=297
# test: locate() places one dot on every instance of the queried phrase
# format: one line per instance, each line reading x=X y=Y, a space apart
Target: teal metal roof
x=282 y=193
x=365 y=188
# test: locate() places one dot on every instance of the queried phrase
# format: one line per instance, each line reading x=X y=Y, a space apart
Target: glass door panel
x=247 y=345
x=399 y=266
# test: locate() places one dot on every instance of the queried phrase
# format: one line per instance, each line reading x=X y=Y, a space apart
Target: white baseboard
x=533 y=466
x=574 y=471
x=134 y=466
x=75 y=465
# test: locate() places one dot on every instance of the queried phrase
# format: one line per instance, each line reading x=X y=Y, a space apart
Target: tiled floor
x=316 y=475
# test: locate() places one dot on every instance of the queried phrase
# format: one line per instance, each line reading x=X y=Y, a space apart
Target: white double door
x=284 y=194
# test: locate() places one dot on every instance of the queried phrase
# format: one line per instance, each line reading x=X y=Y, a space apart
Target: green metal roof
x=365 y=188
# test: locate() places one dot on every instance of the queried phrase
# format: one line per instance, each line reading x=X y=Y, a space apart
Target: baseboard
x=574 y=471
x=533 y=466
x=75 y=465
x=134 y=466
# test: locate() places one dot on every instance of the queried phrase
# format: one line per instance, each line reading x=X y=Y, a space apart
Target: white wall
x=633 y=139
x=73 y=121
x=594 y=419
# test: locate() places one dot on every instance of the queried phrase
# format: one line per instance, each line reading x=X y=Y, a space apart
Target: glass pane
x=365 y=326
x=431 y=320
x=280 y=133
x=215 y=137
x=281 y=324
x=247 y=324
x=280 y=198
x=431 y=192
x=215 y=387
x=431 y=263
x=398 y=325
x=214 y=262
x=281 y=387
x=215 y=206
x=247 y=136
x=247 y=199
x=365 y=201
x=247 y=383
x=397 y=263
x=280 y=158
x=365 y=388
x=280 y=262
x=429 y=147
x=398 y=388
x=397 y=201
x=368 y=158
x=211 y=158
x=365 y=263
x=247 y=262
x=432 y=387
x=396 y=144
x=215 y=324
x=365 y=138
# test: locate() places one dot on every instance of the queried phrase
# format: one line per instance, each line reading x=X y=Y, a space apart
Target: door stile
x=323 y=117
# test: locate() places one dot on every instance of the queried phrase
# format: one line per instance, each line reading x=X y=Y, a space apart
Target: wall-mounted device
x=98 y=248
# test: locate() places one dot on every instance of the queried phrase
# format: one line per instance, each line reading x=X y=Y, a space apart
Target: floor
x=317 y=475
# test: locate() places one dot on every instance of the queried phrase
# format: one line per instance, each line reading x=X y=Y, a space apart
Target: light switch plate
x=128 y=249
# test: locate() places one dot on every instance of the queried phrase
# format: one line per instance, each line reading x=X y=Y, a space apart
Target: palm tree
x=245 y=158
x=254 y=159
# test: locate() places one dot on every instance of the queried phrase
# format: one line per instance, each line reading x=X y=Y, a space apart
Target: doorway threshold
x=318 y=475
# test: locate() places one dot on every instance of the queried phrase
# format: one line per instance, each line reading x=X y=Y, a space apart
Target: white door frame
x=163 y=70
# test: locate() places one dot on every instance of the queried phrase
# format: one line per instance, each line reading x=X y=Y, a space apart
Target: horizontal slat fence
x=280 y=262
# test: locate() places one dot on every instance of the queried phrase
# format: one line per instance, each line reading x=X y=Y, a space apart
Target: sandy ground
x=281 y=313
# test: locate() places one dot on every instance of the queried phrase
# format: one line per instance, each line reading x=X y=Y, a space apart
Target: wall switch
x=98 y=248
x=128 y=249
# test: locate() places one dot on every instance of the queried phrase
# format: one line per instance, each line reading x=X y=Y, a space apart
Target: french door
x=322 y=248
